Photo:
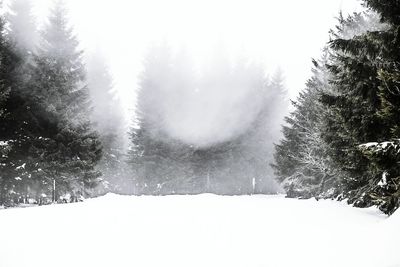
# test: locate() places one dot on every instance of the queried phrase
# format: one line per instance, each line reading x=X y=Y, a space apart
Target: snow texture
x=203 y=230
x=383 y=181
x=384 y=146
x=3 y=143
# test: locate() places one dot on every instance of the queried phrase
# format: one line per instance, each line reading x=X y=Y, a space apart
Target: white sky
x=284 y=33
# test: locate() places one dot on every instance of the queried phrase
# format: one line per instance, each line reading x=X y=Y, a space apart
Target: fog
x=208 y=102
x=279 y=33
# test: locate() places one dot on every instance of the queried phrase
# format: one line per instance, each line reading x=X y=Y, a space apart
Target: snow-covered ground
x=205 y=230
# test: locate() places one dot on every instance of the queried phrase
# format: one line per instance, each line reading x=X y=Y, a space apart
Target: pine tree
x=345 y=129
x=253 y=151
x=383 y=187
x=269 y=123
x=67 y=148
x=17 y=126
x=301 y=164
x=108 y=118
x=8 y=64
x=240 y=165
x=4 y=54
x=22 y=31
x=353 y=105
x=384 y=169
x=150 y=145
x=22 y=26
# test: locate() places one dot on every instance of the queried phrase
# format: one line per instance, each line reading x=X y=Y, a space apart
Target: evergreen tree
x=240 y=164
x=108 y=118
x=383 y=188
x=7 y=67
x=353 y=107
x=269 y=123
x=150 y=152
x=18 y=125
x=4 y=54
x=22 y=26
x=341 y=140
x=67 y=148
x=22 y=31
x=301 y=162
x=319 y=155
x=253 y=152
x=384 y=169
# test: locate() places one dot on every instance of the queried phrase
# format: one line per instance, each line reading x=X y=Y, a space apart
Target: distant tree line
x=239 y=164
x=342 y=139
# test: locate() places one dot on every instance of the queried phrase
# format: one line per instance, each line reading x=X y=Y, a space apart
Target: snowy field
x=199 y=231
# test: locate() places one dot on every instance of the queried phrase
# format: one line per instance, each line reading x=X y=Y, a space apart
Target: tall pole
x=54 y=190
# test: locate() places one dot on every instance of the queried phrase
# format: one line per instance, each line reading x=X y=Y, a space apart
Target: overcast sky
x=284 y=33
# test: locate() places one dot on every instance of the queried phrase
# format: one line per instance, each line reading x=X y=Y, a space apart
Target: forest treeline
x=196 y=130
x=342 y=139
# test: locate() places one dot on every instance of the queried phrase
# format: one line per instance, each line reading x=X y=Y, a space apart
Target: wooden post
x=54 y=190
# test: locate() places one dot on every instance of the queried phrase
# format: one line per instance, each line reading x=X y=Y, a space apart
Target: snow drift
x=203 y=230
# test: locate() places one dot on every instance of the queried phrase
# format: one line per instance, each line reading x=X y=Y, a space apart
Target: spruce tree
x=253 y=152
x=23 y=33
x=108 y=119
x=150 y=152
x=354 y=124
x=22 y=26
x=383 y=169
x=352 y=105
x=4 y=83
x=7 y=68
x=301 y=164
x=67 y=148
x=19 y=123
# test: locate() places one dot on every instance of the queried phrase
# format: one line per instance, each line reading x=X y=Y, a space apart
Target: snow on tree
x=382 y=46
x=301 y=162
x=321 y=153
x=354 y=109
x=384 y=187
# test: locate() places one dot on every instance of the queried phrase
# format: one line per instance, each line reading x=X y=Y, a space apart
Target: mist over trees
x=345 y=144
x=22 y=26
x=208 y=130
x=109 y=121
